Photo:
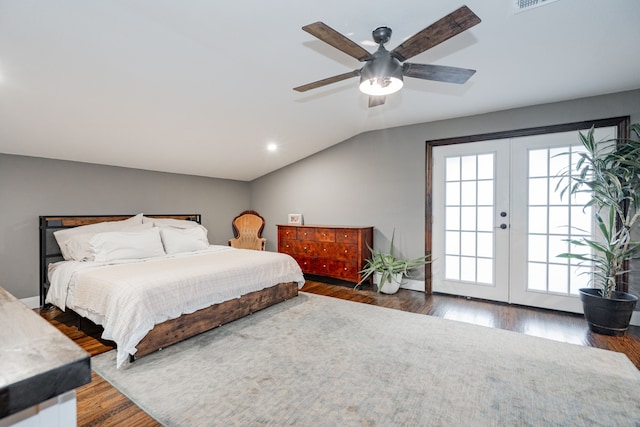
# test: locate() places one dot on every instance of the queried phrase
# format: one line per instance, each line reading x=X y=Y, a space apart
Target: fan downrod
x=381 y=35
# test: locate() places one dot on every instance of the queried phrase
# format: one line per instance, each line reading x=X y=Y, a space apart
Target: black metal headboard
x=50 y=251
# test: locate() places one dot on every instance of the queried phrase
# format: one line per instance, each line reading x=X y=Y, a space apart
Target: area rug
x=321 y=361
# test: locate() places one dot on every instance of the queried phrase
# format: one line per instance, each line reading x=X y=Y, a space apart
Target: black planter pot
x=607 y=316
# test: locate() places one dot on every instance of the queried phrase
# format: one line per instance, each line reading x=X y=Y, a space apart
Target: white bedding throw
x=129 y=298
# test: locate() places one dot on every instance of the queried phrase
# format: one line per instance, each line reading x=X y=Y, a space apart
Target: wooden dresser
x=337 y=252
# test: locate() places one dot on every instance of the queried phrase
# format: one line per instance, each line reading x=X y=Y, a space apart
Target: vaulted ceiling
x=202 y=87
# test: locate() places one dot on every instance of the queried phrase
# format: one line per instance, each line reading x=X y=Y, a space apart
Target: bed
x=153 y=280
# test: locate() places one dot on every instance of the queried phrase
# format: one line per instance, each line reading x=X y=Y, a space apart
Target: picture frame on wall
x=295 y=219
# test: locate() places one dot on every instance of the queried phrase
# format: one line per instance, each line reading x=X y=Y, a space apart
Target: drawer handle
x=346 y=251
x=345 y=269
x=325 y=249
x=345 y=235
x=324 y=266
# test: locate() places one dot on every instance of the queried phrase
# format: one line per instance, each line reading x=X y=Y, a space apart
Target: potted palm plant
x=387 y=269
x=609 y=171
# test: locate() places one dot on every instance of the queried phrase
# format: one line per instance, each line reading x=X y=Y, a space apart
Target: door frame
x=622 y=124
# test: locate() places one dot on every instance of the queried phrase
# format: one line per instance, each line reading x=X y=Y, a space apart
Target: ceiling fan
x=383 y=70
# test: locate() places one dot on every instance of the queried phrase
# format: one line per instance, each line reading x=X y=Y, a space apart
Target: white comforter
x=129 y=297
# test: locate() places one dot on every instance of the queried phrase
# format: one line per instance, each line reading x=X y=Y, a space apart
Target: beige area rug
x=320 y=361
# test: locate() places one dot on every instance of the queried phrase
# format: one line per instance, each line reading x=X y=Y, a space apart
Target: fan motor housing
x=381 y=35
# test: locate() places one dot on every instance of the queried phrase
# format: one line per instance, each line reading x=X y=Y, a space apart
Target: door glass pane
x=552 y=222
x=469 y=210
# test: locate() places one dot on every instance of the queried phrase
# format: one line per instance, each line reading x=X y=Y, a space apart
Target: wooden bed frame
x=174 y=330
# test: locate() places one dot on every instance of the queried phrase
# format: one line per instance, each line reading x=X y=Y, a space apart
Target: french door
x=499 y=224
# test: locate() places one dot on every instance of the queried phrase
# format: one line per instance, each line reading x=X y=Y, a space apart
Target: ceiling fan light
x=380 y=86
x=382 y=75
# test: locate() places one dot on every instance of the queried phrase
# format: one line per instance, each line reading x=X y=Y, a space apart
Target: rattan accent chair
x=247 y=229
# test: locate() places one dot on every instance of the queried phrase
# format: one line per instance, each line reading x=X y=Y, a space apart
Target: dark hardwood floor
x=100 y=404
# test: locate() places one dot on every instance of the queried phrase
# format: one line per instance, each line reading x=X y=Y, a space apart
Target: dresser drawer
x=325 y=235
x=304 y=247
x=287 y=246
x=346 y=236
x=338 y=251
x=307 y=264
x=287 y=233
x=335 y=268
x=306 y=233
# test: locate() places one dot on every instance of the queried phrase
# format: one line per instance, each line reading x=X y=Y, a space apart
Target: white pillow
x=119 y=245
x=74 y=242
x=176 y=240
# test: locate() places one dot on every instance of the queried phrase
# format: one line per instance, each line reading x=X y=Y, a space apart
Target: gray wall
x=377 y=178
x=337 y=186
x=30 y=187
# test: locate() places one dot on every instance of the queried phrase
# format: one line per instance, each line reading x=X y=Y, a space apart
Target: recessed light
x=272 y=147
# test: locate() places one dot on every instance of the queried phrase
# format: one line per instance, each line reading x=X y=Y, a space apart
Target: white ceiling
x=201 y=87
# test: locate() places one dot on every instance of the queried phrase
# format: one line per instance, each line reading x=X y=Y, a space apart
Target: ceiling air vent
x=522 y=5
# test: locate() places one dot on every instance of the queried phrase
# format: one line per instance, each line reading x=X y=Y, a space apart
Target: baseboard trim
x=413 y=285
x=31 y=302
x=635 y=318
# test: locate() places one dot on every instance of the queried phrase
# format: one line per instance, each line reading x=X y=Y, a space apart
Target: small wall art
x=295 y=219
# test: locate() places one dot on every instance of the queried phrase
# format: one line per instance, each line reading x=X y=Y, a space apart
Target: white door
x=508 y=250
x=470 y=200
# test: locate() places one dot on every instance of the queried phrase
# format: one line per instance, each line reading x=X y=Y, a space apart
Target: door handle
x=502 y=226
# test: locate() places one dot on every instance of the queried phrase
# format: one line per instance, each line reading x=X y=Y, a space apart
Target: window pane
x=468 y=166
x=559 y=160
x=537 y=276
x=452 y=243
x=580 y=221
x=558 y=245
x=485 y=218
x=559 y=220
x=538 y=191
x=538 y=220
x=468 y=269
x=485 y=166
x=468 y=196
x=468 y=244
x=554 y=196
x=485 y=193
x=538 y=163
x=538 y=248
x=559 y=278
x=452 y=267
x=485 y=245
x=452 y=194
x=452 y=221
x=452 y=169
x=468 y=218
x=577 y=279
x=485 y=271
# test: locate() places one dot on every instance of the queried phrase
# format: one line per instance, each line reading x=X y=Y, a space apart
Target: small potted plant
x=387 y=269
x=609 y=171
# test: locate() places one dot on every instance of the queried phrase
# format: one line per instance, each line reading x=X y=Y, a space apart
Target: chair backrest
x=247 y=228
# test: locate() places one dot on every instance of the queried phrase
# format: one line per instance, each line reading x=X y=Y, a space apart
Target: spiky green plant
x=609 y=171
x=388 y=265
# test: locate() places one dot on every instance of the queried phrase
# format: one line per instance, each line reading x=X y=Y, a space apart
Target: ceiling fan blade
x=438 y=73
x=327 y=81
x=374 y=101
x=337 y=40
x=447 y=27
